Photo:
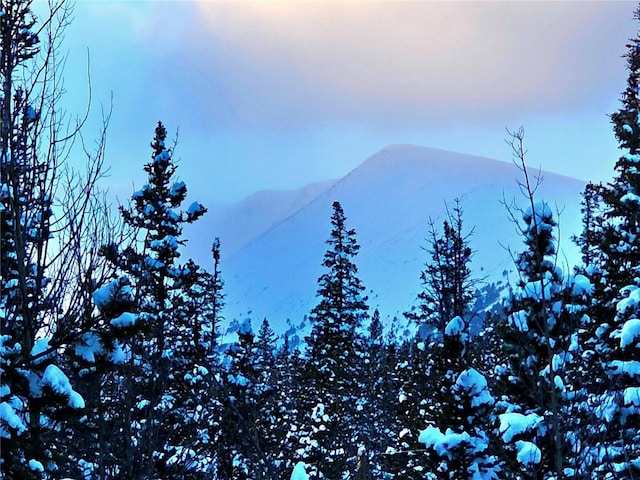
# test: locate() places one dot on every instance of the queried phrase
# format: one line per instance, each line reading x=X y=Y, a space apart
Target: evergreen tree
x=171 y=314
x=614 y=209
x=538 y=381
x=613 y=334
x=238 y=456
x=332 y=381
x=267 y=422
x=592 y=226
x=192 y=424
x=244 y=450
x=265 y=352
x=462 y=450
x=381 y=389
x=289 y=394
x=446 y=280
x=436 y=358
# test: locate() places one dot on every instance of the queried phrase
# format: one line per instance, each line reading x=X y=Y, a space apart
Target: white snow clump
x=56 y=380
x=300 y=472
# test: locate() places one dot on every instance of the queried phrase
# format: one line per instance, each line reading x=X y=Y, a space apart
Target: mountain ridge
x=388 y=199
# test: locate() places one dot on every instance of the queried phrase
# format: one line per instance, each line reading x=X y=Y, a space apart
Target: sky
x=276 y=95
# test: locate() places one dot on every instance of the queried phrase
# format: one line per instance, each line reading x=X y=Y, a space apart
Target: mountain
x=248 y=219
x=277 y=239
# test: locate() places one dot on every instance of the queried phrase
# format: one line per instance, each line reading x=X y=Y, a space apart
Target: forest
x=111 y=364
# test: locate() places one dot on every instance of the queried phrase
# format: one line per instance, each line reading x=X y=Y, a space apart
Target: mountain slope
x=388 y=200
x=242 y=222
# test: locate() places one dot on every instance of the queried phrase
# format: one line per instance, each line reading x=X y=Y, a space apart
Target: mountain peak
x=389 y=200
x=407 y=156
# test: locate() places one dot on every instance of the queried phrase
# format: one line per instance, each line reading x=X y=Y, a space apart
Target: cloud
x=409 y=61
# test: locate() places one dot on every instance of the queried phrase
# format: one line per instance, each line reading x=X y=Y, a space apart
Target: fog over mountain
x=273 y=242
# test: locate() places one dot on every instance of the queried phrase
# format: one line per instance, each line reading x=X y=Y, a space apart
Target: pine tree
x=537 y=380
x=265 y=351
x=463 y=449
x=436 y=357
x=381 y=388
x=238 y=456
x=245 y=449
x=447 y=282
x=267 y=422
x=193 y=421
x=170 y=314
x=289 y=394
x=615 y=271
x=616 y=223
x=333 y=386
x=592 y=226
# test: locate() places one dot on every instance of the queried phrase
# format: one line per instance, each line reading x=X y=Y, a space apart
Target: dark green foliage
x=332 y=379
x=237 y=455
x=381 y=386
x=617 y=224
x=541 y=350
x=447 y=285
x=436 y=357
x=615 y=273
x=167 y=376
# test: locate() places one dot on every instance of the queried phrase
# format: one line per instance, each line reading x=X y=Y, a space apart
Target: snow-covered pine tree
x=241 y=450
x=538 y=379
x=381 y=390
x=459 y=439
x=237 y=456
x=413 y=379
x=192 y=424
x=169 y=300
x=265 y=352
x=612 y=221
x=592 y=226
x=463 y=449
x=288 y=393
x=49 y=264
x=215 y=291
x=621 y=242
x=447 y=283
x=100 y=362
x=333 y=387
x=436 y=358
x=614 y=351
x=265 y=364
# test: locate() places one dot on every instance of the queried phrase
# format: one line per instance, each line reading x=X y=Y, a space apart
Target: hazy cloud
x=278 y=94
x=411 y=61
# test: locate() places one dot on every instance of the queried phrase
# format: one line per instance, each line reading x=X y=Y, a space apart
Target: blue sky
x=280 y=94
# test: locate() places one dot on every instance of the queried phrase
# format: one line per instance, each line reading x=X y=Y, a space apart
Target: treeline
x=111 y=364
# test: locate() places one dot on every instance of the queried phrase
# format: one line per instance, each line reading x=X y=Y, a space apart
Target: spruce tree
x=611 y=212
x=191 y=425
x=172 y=301
x=381 y=386
x=238 y=455
x=463 y=449
x=332 y=381
x=436 y=357
x=447 y=283
x=267 y=422
x=613 y=344
x=538 y=380
x=288 y=401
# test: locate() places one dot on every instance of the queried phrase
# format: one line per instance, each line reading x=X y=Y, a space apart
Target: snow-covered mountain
x=273 y=242
x=246 y=220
